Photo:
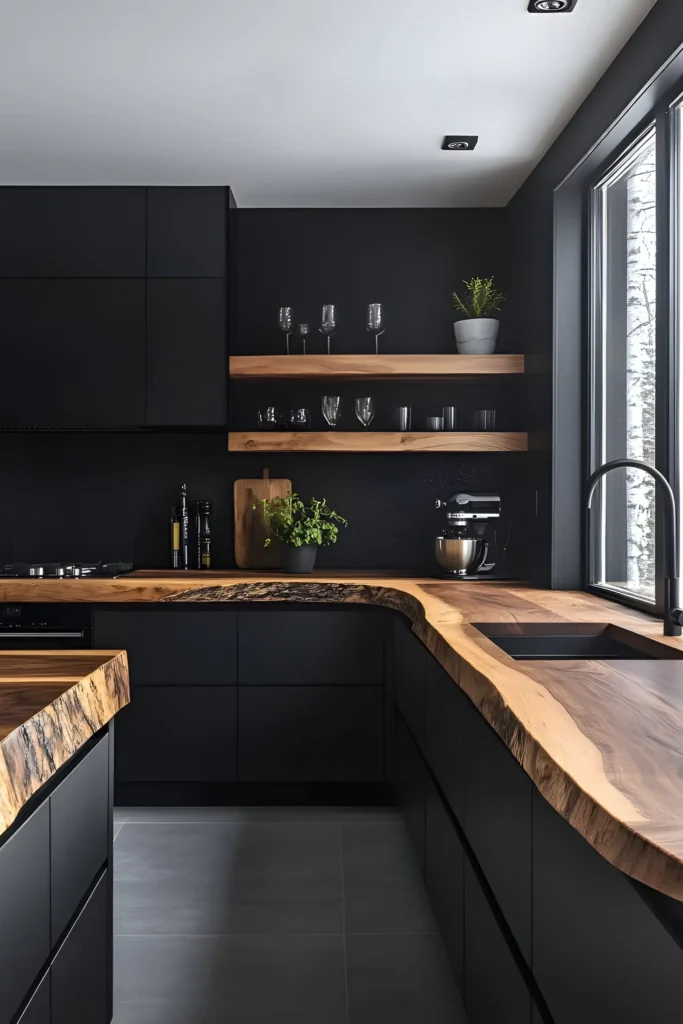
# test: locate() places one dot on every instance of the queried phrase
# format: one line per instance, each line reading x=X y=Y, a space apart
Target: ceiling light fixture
x=551 y=6
x=457 y=143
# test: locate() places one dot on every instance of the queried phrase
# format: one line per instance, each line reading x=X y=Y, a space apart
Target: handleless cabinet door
x=411 y=779
x=170 y=646
x=445 y=866
x=79 y=833
x=409 y=681
x=38 y=1010
x=24 y=909
x=448 y=711
x=186 y=231
x=187 y=351
x=311 y=647
x=80 y=972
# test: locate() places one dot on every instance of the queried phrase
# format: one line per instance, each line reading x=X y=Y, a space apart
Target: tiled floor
x=274 y=916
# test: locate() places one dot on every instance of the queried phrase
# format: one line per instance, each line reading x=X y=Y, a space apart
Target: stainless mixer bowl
x=460 y=556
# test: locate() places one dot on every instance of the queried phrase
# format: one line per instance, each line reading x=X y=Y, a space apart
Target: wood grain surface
x=602 y=741
x=251 y=529
x=51 y=703
x=378 y=367
x=376 y=441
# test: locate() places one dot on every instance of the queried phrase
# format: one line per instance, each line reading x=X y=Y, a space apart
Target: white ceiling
x=297 y=102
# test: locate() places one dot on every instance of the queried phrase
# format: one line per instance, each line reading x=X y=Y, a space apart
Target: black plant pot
x=298 y=560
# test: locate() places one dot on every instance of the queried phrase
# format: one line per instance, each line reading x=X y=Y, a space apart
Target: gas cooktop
x=65 y=570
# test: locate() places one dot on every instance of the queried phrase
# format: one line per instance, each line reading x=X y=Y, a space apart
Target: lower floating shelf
x=376 y=441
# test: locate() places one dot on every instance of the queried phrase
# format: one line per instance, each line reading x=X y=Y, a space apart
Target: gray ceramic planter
x=298 y=560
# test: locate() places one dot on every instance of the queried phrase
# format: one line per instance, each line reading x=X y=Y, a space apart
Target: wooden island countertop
x=51 y=703
x=601 y=740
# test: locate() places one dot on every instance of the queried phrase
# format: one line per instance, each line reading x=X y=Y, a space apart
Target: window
x=623 y=379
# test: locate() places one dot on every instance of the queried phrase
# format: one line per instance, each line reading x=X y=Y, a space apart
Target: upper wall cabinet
x=72 y=232
x=73 y=352
x=186 y=232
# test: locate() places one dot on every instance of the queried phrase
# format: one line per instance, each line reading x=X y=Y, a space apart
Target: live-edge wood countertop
x=51 y=703
x=601 y=740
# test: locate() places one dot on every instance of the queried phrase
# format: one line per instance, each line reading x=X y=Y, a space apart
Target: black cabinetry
x=445 y=868
x=38 y=1010
x=410 y=660
x=79 y=971
x=100 y=331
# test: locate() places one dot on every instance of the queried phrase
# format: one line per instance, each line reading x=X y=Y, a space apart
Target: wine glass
x=374 y=322
x=284 y=322
x=328 y=324
x=331 y=407
x=303 y=330
x=365 y=410
x=300 y=419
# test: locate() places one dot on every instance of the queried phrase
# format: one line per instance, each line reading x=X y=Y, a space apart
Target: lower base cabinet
x=38 y=1010
x=446 y=881
x=79 y=973
x=410 y=777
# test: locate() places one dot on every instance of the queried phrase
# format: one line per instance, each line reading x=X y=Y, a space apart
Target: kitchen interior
x=340 y=614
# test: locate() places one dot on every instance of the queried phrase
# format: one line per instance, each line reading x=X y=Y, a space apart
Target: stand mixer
x=468 y=547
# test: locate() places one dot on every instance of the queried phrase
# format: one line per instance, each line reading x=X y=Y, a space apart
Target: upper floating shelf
x=372 y=367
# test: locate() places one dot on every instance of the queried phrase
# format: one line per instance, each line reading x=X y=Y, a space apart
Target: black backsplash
x=108 y=495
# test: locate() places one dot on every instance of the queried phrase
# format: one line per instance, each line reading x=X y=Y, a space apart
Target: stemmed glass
x=284 y=321
x=365 y=410
x=374 y=322
x=331 y=407
x=303 y=331
x=328 y=324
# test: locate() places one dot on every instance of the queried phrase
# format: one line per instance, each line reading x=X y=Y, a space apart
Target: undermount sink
x=573 y=640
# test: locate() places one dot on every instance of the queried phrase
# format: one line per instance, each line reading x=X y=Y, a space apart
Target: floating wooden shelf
x=371 y=367
x=376 y=441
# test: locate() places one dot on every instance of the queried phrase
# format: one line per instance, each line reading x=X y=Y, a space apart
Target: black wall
x=84 y=495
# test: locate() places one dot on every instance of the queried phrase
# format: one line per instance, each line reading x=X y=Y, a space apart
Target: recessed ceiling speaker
x=551 y=6
x=457 y=143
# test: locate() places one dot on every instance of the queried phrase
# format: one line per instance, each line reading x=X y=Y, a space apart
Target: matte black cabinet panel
x=409 y=679
x=38 y=1010
x=448 y=709
x=445 y=880
x=169 y=646
x=73 y=353
x=79 y=972
x=177 y=734
x=331 y=648
x=72 y=232
x=187 y=371
x=497 y=823
x=600 y=954
x=24 y=909
x=311 y=734
x=411 y=779
x=186 y=232
x=79 y=833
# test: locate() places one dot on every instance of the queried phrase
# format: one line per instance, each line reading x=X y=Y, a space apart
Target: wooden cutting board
x=250 y=525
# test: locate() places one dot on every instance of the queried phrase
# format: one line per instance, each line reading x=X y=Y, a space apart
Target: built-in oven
x=45 y=627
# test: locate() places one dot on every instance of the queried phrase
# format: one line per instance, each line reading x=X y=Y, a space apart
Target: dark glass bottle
x=203 y=522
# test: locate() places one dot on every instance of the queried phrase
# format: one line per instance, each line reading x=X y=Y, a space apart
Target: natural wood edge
x=34 y=751
x=377 y=441
x=377 y=367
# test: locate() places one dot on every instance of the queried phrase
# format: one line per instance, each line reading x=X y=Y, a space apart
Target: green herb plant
x=482 y=300
x=294 y=522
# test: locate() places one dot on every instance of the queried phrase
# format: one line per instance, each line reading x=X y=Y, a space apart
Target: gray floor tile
x=206 y=814
x=383 y=888
x=247 y=979
x=404 y=979
x=227 y=878
x=117 y=828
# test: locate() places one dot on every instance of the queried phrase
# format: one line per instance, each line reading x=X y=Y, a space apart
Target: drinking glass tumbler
x=485 y=419
x=268 y=419
x=365 y=410
x=331 y=409
x=450 y=417
x=300 y=419
x=434 y=423
x=404 y=417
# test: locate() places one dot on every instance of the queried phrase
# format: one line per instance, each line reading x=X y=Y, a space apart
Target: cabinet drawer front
x=79 y=972
x=178 y=734
x=79 y=810
x=38 y=1010
x=24 y=909
x=168 y=646
x=319 y=648
x=311 y=734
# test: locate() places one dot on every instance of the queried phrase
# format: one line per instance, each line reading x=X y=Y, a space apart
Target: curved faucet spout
x=673 y=613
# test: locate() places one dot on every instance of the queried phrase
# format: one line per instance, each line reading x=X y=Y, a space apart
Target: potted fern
x=300 y=529
x=477 y=333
